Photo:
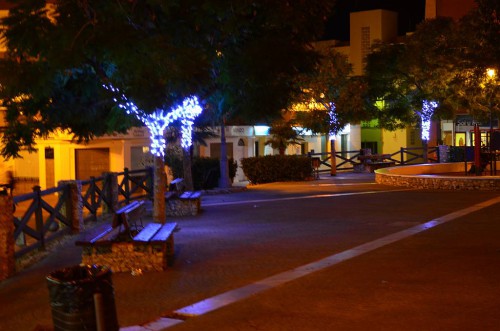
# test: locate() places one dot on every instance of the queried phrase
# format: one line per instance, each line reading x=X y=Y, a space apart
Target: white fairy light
x=428 y=108
x=158 y=121
x=334 y=121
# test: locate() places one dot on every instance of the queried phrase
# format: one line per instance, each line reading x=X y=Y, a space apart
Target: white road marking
x=315 y=196
x=232 y=296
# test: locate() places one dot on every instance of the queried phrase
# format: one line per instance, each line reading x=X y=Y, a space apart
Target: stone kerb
x=428 y=176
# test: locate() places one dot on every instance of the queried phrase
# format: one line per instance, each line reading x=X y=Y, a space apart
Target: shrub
x=205 y=170
x=277 y=168
x=458 y=153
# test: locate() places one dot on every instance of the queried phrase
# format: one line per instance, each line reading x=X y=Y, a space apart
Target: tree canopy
x=401 y=76
x=443 y=61
x=58 y=59
x=478 y=60
x=332 y=97
x=238 y=57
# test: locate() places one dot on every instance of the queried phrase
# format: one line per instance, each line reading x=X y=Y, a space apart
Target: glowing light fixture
x=491 y=73
x=261 y=130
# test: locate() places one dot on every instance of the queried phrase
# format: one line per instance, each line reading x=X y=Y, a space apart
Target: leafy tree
x=409 y=77
x=444 y=61
x=256 y=62
x=283 y=133
x=332 y=97
x=57 y=62
x=477 y=61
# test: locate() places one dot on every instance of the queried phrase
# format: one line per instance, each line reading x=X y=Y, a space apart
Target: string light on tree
x=334 y=125
x=158 y=121
x=428 y=108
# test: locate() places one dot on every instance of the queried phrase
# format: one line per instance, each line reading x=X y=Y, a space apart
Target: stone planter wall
x=129 y=257
x=181 y=207
x=427 y=176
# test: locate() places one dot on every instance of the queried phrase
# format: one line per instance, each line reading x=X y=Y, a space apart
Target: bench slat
x=164 y=233
x=190 y=195
x=185 y=195
x=108 y=237
x=127 y=207
x=195 y=195
x=149 y=231
x=94 y=235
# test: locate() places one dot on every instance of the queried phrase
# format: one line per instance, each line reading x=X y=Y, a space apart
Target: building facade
x=58 y=157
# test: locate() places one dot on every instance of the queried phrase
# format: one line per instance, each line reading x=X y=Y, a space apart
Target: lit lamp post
x=491 y=75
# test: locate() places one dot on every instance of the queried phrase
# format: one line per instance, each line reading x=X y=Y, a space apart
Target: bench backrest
x=131 y=211
x=177 y=185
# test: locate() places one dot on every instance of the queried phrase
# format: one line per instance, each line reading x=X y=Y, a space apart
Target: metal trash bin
x=82 y=298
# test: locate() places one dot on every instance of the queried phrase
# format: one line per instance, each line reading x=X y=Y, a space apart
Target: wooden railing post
x=126 y=178
x=7 y=250
x=402 y=155
x=39 y=216
x=73 y=206
x=110 y=192
x=93 y=200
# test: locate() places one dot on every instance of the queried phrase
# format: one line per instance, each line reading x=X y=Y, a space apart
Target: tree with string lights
x=412 y=82
x=58 y=58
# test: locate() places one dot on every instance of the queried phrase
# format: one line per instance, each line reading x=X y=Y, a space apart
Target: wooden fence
x=42 y=216
x=346 y=160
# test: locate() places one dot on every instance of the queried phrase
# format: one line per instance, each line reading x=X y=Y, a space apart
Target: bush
x=458 y=153
x=277 y=168
x=205 y=170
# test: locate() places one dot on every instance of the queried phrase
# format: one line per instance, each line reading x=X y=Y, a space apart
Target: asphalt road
x=338 y=253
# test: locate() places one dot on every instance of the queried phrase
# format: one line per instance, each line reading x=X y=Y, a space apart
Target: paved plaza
x=337 y=253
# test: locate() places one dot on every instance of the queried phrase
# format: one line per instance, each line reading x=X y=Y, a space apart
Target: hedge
x=277 y=168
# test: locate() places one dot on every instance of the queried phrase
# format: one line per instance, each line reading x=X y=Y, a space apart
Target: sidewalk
x=443 y=278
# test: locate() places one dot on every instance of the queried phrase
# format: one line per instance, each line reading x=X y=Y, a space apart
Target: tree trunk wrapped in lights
x=157 y=122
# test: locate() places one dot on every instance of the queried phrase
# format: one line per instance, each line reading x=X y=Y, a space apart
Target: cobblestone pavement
x=444 y=278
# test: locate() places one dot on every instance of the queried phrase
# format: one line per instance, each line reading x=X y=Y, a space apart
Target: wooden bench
x=376 y=161
x=123 y=247
x=130 y=216
x=181 y=202
x=151 y=249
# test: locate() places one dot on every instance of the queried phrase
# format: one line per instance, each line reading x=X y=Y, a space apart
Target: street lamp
x=491 y=75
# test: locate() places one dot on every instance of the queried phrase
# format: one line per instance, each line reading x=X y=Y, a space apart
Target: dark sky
x=411 y=12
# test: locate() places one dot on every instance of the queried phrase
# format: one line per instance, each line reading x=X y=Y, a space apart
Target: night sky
x=411 y=12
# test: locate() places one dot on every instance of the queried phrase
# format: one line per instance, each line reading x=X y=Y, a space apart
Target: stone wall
x=427 y=176
x=129 y=256
x=182 y=207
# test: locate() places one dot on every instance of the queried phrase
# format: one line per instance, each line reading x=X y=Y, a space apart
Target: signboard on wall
x=235 y=131
x=466 y=122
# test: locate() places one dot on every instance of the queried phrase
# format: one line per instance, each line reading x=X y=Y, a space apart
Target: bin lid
x=78 y=274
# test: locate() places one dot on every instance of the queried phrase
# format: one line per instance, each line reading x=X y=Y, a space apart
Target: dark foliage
x=277 y=168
